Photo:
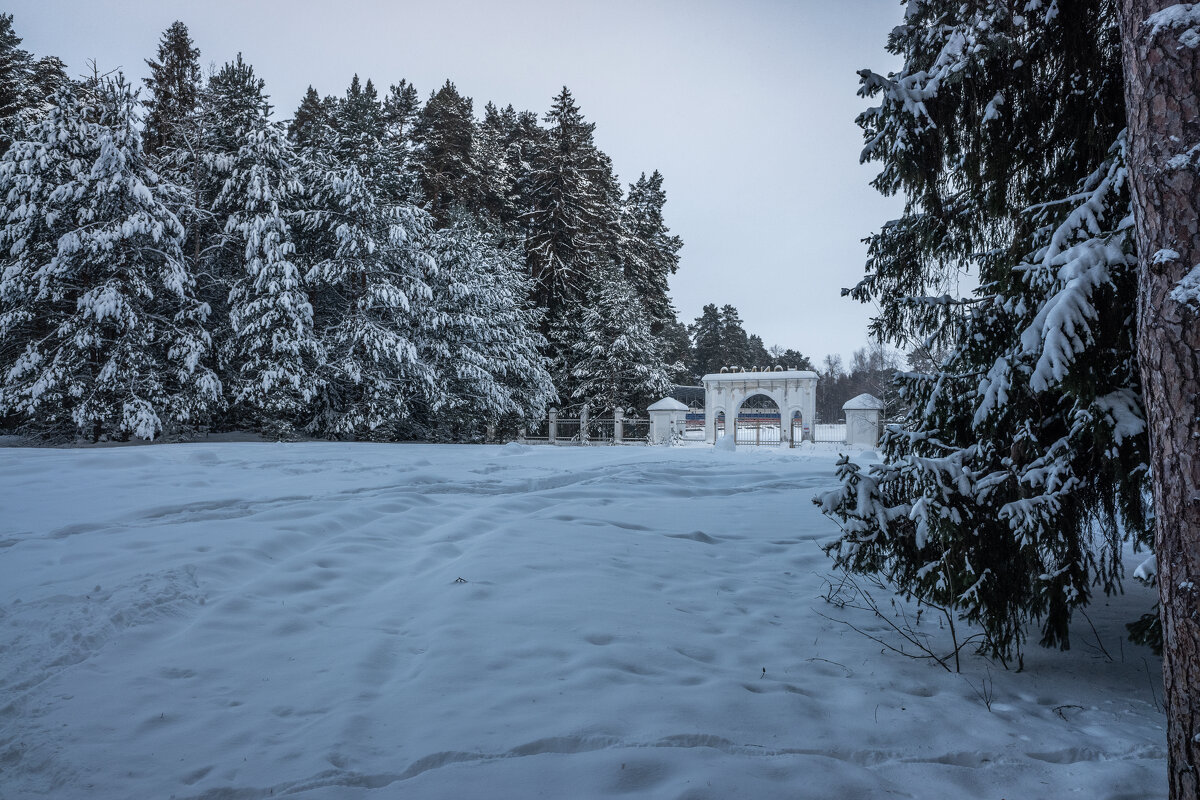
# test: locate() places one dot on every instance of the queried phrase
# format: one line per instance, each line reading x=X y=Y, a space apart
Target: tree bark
x=1162 y=97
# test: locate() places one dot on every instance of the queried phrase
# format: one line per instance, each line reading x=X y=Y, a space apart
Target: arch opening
x=759 y=421
x=796 y=432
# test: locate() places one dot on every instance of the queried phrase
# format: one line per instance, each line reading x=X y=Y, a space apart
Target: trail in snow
x=256 y=620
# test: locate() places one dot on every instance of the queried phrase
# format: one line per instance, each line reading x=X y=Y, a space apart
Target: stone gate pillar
x=863 y=416
x=667 y=419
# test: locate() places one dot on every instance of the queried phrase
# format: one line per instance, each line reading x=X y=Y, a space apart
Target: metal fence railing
x=754 y=432
x=536 y=432
x=581 y=430
x=636 y=430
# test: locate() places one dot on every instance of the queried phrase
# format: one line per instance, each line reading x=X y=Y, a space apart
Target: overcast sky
x=747 y=107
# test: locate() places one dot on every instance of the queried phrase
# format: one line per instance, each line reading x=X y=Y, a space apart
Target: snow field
x=255 y=620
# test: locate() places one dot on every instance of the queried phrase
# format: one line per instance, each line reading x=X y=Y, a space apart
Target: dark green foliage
x=445 y=139
x=649 y=253
x=1019 y=469
x=26 y=83
x=719 y=339
x=573 y=221
x=310 y=115
x=708 y=350
x=174 y=91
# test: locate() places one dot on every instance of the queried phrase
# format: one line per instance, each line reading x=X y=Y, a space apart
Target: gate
x=757 y=429
x=797 y=432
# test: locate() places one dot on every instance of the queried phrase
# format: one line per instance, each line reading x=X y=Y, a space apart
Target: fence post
x=618 y=426
x=553 y=432
x=583 y=423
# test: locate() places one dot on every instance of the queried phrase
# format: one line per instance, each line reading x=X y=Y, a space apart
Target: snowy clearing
x=254 y=620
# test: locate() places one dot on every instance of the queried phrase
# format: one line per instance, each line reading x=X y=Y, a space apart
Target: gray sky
x=747 y=108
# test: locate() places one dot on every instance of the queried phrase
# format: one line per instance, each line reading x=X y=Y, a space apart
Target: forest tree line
x=376 y=266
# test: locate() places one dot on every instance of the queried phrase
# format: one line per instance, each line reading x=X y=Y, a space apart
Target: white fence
x=829 y=433
x=583 y=430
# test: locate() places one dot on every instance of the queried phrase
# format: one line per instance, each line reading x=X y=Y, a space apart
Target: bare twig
x=1061 y=709
x=1099 y=644
x=835 y=663
x=846 y=592
x=1150 y=680
x=986 y=690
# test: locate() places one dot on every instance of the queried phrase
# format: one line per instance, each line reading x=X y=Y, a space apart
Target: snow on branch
x=1081 y=257
x=1183 y=19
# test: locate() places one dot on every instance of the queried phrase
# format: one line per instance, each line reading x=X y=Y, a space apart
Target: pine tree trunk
x=1162 y=97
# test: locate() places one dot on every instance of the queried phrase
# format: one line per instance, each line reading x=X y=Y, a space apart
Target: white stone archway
x=792 y=391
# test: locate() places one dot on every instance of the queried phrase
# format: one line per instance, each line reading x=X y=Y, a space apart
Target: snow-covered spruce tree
x=572 y=222
x=485 y=345
x=94 y=280
x=26 y=83
x=649 y=253
x=269 y=351
x=175 y=139
x=1020 y=467
x=498 y=180
x=49 y=155
x=617 y=363
x=370 y=277
x=677 y=350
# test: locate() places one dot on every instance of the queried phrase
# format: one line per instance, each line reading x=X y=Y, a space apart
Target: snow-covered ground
x=254 y=620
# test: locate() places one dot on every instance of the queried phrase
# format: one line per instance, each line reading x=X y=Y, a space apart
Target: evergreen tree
x=572 y=222
x=525 y=150
x=312 y=113
x=493 y=142
x=649 y=253
x=270 y=356
x=372 y=276
x=617 y=363
x=756 y=351
x=677 y=350
x=16 y=68
x=735 y=343
x=1021 y=467
x=487 y=348
x=26 y=83
x=401 y=110
x=708 y=355
x=96 y=286
x=445 y=137
x=174 y=86
x=790 y=359
x=359 y=125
